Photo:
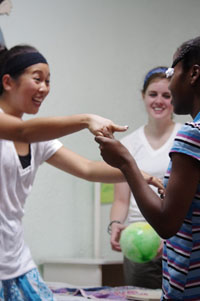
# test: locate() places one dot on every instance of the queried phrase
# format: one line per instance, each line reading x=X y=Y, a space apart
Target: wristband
x=109 y=226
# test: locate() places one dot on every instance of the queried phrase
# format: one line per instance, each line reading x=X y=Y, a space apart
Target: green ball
x=139 y=242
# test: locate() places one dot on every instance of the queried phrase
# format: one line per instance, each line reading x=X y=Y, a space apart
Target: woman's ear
x=195 y=74
x=7 y=82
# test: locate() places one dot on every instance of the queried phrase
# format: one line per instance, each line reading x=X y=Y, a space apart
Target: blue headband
x=22 y=61
x=154 y=71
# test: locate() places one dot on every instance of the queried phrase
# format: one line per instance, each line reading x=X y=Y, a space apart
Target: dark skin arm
x=165 y=215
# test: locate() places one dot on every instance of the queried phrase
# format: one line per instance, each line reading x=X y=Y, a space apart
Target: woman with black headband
x=177 y=216
x=24 y=146
x=149 y=145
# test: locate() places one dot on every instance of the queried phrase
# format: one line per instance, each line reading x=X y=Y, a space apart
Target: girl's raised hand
x=100 y=126
x=113 y=152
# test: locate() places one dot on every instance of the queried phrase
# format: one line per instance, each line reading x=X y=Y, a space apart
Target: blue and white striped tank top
x=181 y=253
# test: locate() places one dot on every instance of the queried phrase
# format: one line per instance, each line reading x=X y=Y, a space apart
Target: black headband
x=22 y=61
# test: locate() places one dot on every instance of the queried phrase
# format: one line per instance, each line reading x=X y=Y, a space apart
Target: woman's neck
x=158 y=132
x=8 y=109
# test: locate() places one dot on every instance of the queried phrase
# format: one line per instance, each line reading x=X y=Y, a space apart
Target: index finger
x=119 y=128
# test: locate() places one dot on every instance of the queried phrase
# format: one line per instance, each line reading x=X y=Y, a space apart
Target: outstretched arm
x=96 y=171
x=47 y=128
x=167 y=215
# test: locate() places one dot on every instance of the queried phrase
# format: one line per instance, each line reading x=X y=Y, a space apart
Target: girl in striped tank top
x=176 y=217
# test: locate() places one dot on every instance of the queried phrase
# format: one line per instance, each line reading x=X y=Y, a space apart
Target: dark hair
x=188 y=53
x=3 y=51
x=6 y=55
x=157 y=72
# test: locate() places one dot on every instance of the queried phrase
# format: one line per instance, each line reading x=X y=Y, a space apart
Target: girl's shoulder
x=187 y=140
x=190 y=128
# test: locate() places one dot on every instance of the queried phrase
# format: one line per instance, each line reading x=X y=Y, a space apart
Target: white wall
x=99 y=51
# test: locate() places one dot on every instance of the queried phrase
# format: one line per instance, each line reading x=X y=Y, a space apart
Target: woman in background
x=149 y=145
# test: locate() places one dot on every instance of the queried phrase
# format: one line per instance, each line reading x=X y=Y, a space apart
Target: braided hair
x=188 y=53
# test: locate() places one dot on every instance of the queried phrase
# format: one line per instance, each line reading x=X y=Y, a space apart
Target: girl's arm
x=119 y=212
x=167 y=215
x=47 y=128
x=95 y=171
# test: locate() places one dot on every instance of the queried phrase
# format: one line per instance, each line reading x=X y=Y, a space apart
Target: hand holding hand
x=113 y=152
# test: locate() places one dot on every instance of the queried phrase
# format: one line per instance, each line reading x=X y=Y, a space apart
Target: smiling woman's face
x=157 y=99
x=29 y=90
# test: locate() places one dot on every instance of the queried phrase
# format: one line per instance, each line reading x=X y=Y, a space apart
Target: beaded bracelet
x=109 y=226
